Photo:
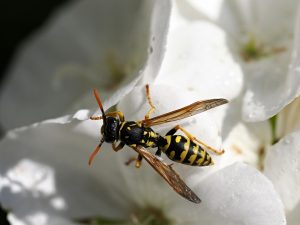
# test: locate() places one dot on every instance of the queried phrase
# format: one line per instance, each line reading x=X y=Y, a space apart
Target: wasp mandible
x=139 y=135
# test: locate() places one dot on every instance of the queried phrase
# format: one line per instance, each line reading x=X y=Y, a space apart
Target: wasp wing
x=187 y=111
x=168 y=174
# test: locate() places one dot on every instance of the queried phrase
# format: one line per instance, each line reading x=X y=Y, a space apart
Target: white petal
x=265 y=24
x=288 y=120
x=211 y=9
x=273 y=81
x=282 y=167
x=270 y=87
x=293 y=217
x=244 y=17
x=244 y=143
x=45 y=168
x=38 y=218
x=85 y=45
x=198 y=58
x=238 y=194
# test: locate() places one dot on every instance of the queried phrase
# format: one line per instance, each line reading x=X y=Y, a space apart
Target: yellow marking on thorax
x=122 y=125
x=138 y=124
x=145 y=132
x=128 y=128
x=185 y=149
x=177 y=139
x=150 y=143
x=194 y=156
x=153 y=134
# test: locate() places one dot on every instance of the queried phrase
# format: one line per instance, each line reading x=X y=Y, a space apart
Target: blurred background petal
x=86 y=44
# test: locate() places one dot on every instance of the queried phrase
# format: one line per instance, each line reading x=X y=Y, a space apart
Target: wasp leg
x=138 y=161
x=151 y=110
x=117 y=147
x=130 y=160
x=190 y=136
x=158 y=153
x=95 y=117
x=117 y=113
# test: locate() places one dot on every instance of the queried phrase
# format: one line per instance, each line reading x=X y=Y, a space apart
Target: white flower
x=88 y=44
x=252 y=142
x=245 y=39
x=46 y=167
x=263 y=39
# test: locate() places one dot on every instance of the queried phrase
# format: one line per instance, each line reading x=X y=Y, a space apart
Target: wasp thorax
x=109 y=129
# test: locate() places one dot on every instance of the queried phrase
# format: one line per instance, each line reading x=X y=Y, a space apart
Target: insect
x=139 y=135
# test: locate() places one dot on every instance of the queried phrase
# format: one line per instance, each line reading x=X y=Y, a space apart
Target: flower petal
x=243 y=20
x=44 y=168
x=272 y=81
x=244 y=17
x=238 y=194
x=293 y=217
x=288 y=120
x=39 y=218
x=84 y=46
x=198 y=58
x=282 y=167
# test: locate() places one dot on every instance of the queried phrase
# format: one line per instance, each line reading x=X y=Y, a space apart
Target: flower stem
x=273 y=122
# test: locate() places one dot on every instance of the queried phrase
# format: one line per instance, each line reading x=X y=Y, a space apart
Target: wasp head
x=109 y=129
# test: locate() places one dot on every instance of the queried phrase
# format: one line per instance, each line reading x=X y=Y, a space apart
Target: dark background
x=18 y=19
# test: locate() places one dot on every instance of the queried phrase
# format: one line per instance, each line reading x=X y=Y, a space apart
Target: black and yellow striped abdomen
x=181 y=149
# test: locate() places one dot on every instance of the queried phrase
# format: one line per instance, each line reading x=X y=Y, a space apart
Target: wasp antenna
x=96 y=94
x=97 y=149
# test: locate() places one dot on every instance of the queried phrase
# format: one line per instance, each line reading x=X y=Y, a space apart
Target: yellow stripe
x=168 y=139
x=202 y=152
x=194 y=156
x=152 y=134
x=122 y=125
x=185 y=149
x=150 y=143
x=172 y=154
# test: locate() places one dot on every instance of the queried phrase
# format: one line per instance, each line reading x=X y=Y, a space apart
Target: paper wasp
x=139 y=135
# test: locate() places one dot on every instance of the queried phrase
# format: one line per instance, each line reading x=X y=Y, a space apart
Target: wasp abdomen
x=181 y=149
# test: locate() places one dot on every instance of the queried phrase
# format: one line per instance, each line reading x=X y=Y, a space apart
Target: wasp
x=139 y=135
